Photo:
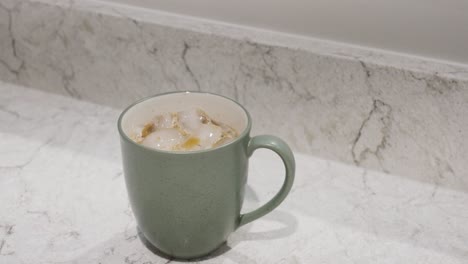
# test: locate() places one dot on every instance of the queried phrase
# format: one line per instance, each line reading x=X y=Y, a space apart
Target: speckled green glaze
x=187 y=203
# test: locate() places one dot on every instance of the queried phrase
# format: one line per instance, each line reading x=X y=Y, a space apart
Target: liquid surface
x=187 y=130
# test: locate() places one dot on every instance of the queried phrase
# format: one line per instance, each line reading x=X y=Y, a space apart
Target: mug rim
x=128 y=139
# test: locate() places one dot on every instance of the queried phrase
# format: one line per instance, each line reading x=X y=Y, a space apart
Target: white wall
x=430 y=28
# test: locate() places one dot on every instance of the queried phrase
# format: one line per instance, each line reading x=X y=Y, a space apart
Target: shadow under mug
x=187 y=203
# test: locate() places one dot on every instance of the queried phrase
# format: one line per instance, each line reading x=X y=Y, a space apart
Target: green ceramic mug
x=187 y=203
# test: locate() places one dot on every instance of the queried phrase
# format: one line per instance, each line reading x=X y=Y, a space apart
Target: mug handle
x=282 y=149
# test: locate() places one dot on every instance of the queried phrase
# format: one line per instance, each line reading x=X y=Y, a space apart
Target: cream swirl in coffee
x=188 y=130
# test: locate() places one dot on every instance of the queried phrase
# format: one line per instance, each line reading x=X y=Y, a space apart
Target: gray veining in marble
x=340 y=104
x=63 y=199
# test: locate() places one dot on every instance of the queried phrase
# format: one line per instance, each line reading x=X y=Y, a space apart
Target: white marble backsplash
x=401 y=115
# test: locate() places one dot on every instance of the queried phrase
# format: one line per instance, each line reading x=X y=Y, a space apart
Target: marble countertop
x=63 y=200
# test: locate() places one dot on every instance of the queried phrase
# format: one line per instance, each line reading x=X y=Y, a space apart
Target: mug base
x=217 y=251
